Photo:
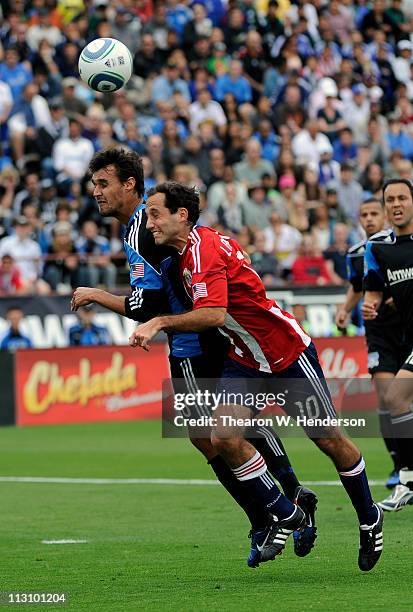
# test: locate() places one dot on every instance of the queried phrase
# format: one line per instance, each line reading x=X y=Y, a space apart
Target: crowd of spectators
x=286 y=115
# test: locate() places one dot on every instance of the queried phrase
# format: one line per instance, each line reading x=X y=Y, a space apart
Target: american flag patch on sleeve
x=199 y=290
x=138 y=270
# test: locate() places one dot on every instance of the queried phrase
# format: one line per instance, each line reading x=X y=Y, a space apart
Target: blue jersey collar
x=137 y=209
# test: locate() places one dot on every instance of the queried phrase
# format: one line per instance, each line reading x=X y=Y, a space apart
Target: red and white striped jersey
x=216 y=274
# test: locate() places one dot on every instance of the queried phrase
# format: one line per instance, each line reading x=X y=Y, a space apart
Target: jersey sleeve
x=209 y=275
x=354 y=278
x=144 y=304
x=373 y=276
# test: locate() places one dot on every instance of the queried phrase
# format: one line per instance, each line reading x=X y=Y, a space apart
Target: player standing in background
x=86 y=332
x=266 y=344
x=384 y=335
x=389 y=266
x=156 y=287
x=13 y=338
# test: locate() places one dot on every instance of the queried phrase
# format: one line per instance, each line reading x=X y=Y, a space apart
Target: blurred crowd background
x=285 y=114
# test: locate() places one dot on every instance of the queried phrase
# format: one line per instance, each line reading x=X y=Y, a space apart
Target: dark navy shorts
x=302 y=384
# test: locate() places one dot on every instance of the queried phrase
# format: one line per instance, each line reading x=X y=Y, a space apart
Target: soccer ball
x=105 y=64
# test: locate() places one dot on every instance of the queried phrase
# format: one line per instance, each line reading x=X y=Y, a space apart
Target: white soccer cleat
x=401 y=497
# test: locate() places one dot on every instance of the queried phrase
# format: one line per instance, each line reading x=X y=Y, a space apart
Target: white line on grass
x=64 y=541
x=149 y=481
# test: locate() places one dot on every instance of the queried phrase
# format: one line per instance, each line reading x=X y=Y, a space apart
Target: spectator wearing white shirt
x=6 y=103
x=43 y=30
x=206 y=109
x=307 y=143
x=71 y=156
x=401 y=64
x=283 y=241
x=357 y=113
x=27 y=255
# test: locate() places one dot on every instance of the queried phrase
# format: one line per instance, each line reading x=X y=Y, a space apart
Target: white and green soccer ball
x=105 y=64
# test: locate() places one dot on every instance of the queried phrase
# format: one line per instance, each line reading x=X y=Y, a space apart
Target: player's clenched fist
x=144 y=333
x=82 y=296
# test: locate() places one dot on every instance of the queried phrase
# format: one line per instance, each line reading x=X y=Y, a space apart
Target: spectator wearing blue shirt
x=167 y=112
x=169 y=83
x=234 y=83
x=215 y=10
x=268 y=139
x=86 y=332
x=178 y=16
x=95 y=250
x=344 y=149
x=14 y=73
x=13 y=338
x=398 y=139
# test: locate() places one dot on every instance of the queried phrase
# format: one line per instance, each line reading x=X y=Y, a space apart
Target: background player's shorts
x=408 y=363
x=386 y=351
x=303 y=385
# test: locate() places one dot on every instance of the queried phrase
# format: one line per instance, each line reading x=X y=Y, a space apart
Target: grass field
x=176 y=547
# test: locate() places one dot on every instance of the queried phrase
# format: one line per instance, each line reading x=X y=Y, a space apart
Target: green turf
x=178 y=548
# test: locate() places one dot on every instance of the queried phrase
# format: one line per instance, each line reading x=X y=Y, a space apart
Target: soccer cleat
x=279 y=533
x=267 y=543
x=371 y=543
x=393 y=479
x=401 y=497
x=258 y=541
x=304 y=539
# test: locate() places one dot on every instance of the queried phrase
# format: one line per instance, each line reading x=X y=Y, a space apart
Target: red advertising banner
x=343 y=357
x=90 y=384
x=346 y=359
x=79 y=385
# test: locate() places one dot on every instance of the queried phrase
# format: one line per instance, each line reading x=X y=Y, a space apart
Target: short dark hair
x=396 y=181
x=127 y=164
x=179 y=196
x=14 y=307
x=372 y=201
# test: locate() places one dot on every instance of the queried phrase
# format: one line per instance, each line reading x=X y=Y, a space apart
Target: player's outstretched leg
x=272 y=449
x=250 y=469
x=351 y=469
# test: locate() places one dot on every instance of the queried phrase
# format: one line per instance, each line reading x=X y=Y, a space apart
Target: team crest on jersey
x=187 y=276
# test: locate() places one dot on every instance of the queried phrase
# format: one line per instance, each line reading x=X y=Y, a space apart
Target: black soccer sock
x=387 y=432
x=257 y=515
x=403 y=429
x=253 y=475
x=355 y=482
x=272 y=449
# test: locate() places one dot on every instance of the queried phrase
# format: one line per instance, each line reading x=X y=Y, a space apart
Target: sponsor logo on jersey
x=398 y=276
